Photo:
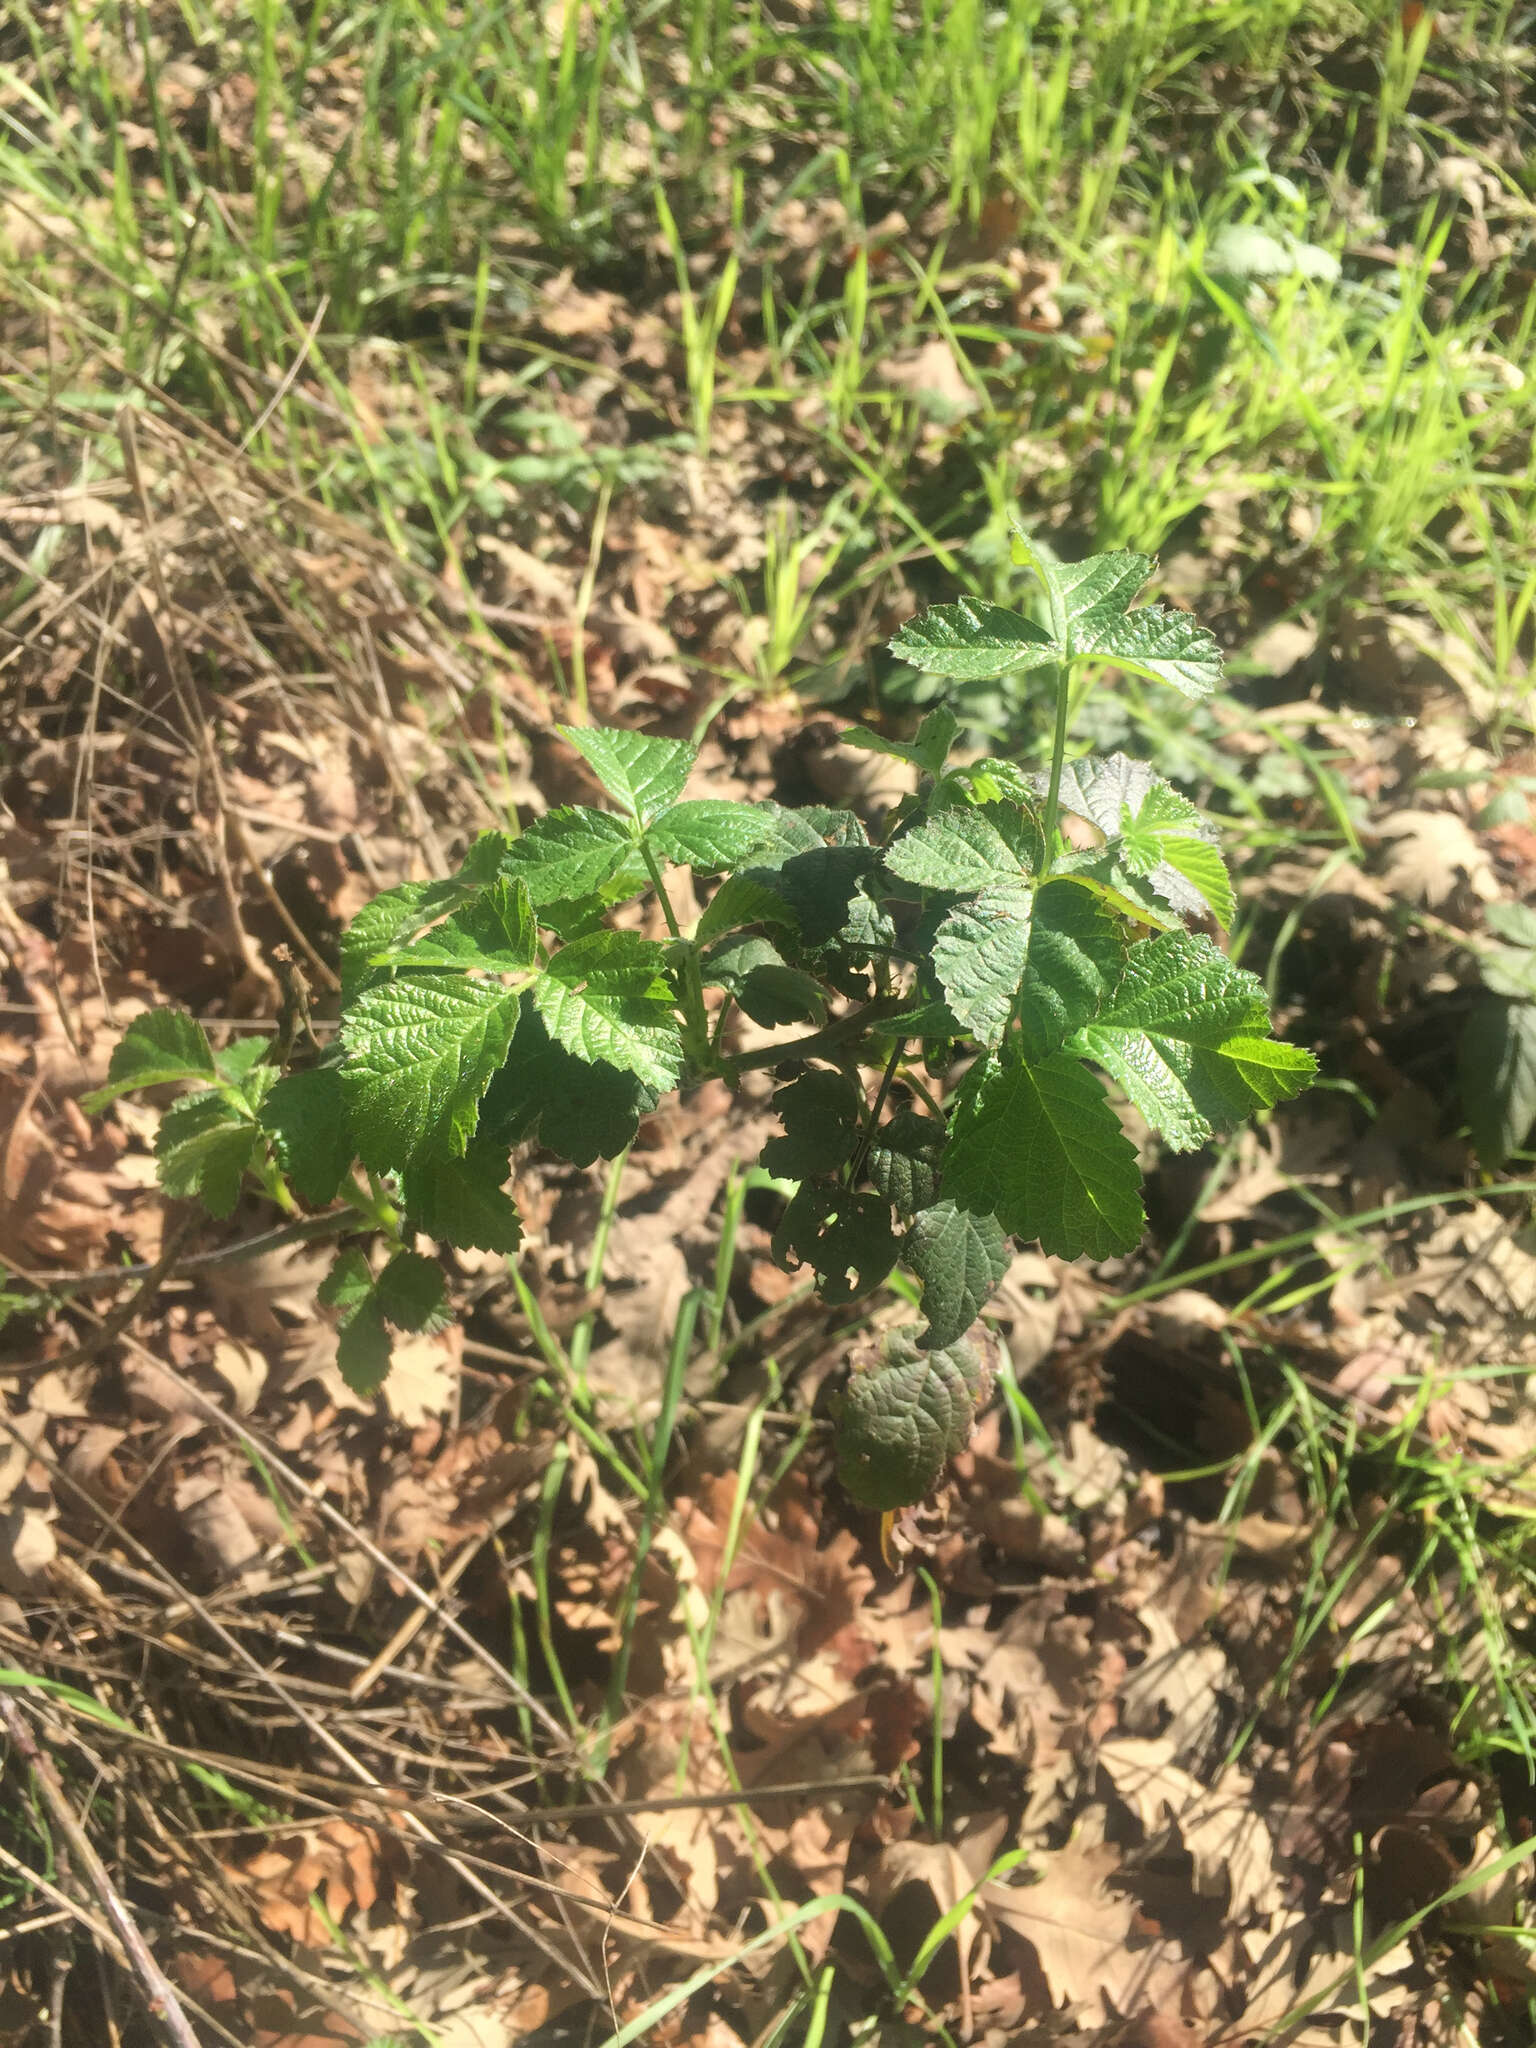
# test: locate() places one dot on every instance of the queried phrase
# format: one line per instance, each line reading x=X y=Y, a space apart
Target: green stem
x=830 y=1039
x=872 y=1121
x=696 y=1045
x=653 y=869
x=1058 y=757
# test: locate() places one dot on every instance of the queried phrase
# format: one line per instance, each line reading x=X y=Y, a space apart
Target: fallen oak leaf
x=1080 y=1932
x=952 y=1875
x=339 y=1861
x=1219 y=1825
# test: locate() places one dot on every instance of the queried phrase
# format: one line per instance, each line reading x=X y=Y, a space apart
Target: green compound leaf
x=1515 y=922
x=161 y=1045
x=845 y=1238
x=1040 y=1148
x=604 y=997
x=390 y=919
x=960 y=1258
x=1497 y=1062
x=485 y=859
x=1170 y=647
x=362 y=1345
x=904 y=1416
x=1092 y=600
x=305 y=1116
x=960 y=850
x=979 y=955
x=904 y=1161
x=816 y=895
x=420 y=1051
x=927 y=750
x=821 y=1111
x=348 y=1285
x=567 y=854
x=412 y=1293
x=1156 y=834
x=770 y=992
x=363 y=1352
x=494 y=930
x=241 y=1065
x=463 y=1202
x=1244 y=1075
x=971 y=640
x=822 y=890
x=746 y=899
x=930 y=1019
x=202 y=1149
x=1076 y=953
x=711 y=835
x=1110 y=882
x=1186 y=1034
x=581 y=1110
x=1086 y=595
x=643 y=775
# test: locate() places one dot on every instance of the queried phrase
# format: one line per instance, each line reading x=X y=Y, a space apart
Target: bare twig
x=114 y=1324
x=412 y=1823
x=162 y=2001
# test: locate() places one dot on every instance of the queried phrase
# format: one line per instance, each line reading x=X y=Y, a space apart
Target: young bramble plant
x=975 y=940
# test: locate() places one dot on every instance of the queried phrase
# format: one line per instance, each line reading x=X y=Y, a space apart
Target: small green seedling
x=975 y=940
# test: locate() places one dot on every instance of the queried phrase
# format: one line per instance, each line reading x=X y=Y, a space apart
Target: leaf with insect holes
x=420 y=1050
x=604 y=997
x=643 y=775
x=1040 y=1148
x=960 y=1257
x=1075 y=956
x=927 y=750
x=710 y=835
x=567 y=854
x=493 y=930
x=362 y=1342
x=961 y=849
x=412 y=1293
x=203 y=1148
x=159 y=1046
x=903 y=1418
x=305 y=1116
x=582 y=1110
x=821 y=1111
x=904 y=1161
x=979 y=955
x=845 y=1238
x=1497 y=1064
x=464 y=1202
x=1186 y=1034
x=972 y=640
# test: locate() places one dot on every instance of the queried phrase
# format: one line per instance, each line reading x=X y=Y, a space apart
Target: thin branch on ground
x=164 y=2006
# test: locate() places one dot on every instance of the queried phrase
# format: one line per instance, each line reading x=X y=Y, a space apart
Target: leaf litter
x=1209 y=1713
